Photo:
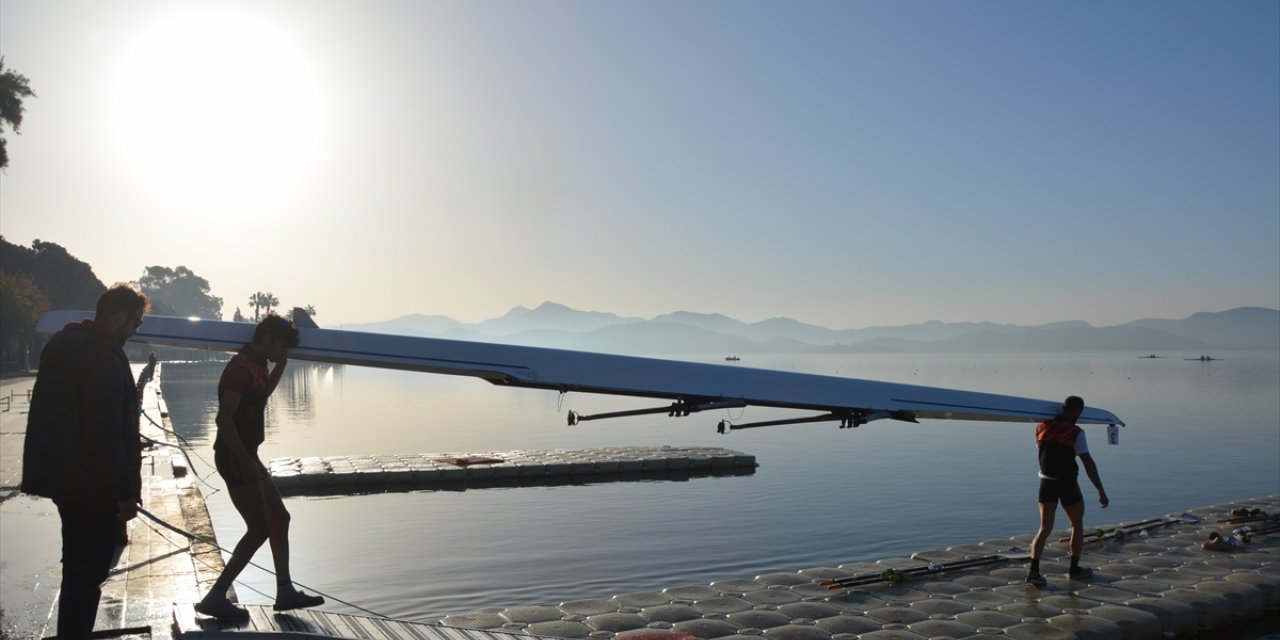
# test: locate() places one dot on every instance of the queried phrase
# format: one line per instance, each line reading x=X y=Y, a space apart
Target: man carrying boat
x=243 y=390
x=1060 y=442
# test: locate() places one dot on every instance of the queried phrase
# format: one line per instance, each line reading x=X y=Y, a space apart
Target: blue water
x=1199 y=433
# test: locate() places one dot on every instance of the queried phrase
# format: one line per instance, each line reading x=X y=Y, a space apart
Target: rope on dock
x=198 y=538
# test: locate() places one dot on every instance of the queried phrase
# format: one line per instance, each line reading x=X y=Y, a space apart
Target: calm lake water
x=1199 y=433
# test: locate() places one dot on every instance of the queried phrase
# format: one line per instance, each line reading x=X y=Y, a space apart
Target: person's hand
x=126 y=511
x=1103 y=500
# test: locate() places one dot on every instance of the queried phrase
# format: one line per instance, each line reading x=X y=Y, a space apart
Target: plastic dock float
x=310 y=623
x=1155 y=581
x=334 y=475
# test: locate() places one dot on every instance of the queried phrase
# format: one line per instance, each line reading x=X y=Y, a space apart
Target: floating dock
x=522 y=468
x=1153 y=580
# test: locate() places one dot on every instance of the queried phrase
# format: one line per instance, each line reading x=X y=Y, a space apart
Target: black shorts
x=230 y=470
x=1065 y=491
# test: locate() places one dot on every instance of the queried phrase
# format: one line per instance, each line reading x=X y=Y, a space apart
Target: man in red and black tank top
x=243 y=390
x=1060 y=442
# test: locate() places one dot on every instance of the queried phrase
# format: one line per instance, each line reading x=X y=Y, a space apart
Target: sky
x=846 y=164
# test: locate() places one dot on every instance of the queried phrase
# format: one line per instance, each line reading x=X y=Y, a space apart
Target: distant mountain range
x=558 y=326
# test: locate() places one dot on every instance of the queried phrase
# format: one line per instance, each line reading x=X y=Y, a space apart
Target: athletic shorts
x=1055 y=491
x=230 y=470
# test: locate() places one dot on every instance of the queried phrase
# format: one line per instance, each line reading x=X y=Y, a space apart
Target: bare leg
x=248 y=502
x=277 y=519
x=1048 y=512
x=1076 y=513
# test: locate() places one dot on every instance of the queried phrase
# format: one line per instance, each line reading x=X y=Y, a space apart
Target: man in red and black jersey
x=243 y=390
x=1060 y=442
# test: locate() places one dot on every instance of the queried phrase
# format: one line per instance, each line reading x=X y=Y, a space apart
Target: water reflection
x=294 y=396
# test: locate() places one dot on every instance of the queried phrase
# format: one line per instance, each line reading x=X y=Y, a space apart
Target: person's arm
x=228 y=400
x=277 y=371
x=104 y=405
x=1091 y=469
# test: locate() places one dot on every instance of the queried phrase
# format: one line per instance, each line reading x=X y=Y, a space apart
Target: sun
x=217 y=109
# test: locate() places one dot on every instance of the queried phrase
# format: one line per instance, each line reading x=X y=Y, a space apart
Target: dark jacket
x=82 y=439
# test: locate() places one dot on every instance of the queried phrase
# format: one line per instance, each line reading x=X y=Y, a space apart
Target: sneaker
x=1080 y=573
x=223 y=610
x=297 y=600
x=1036 y=579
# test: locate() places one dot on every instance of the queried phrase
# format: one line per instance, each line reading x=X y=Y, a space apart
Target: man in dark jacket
x=82 y=448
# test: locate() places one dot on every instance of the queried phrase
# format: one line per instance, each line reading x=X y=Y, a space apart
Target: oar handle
x=898 y=575
x=1100 y=534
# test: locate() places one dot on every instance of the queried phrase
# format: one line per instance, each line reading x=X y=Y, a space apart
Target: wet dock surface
x=1153 y=583
x=156 y=569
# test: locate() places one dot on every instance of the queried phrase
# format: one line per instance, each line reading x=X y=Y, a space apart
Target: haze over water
x=1198 y=434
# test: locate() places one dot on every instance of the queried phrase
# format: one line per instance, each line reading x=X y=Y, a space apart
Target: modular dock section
x=1152 y=580
x=521 y=468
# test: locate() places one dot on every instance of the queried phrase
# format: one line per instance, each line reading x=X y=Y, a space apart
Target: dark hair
x=121 y=297
x=1072 y=403
x=276 y=327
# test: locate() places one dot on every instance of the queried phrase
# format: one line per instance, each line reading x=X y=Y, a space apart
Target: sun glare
x=216 y=109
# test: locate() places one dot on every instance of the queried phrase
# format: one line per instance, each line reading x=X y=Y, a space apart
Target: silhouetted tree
x=14 y=88
x=186 y=293
x=238 y=317
x=262 y=301
x=68 y=282
x=21 y=305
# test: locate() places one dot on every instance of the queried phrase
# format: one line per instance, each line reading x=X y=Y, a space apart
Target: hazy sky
x=844 y=163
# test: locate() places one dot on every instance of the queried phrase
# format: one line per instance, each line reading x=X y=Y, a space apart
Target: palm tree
x=270 y=301
x=255 y=301
x=13 y=88
x=262 y=300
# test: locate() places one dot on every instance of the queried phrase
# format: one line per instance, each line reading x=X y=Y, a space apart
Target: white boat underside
x=690 y=386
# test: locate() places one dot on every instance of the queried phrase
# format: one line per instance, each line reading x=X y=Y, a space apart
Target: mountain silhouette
x=555 y=325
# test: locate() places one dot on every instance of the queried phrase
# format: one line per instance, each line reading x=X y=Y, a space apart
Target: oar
x=895 y=576
x=1120 y=534
x=1100 y=533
